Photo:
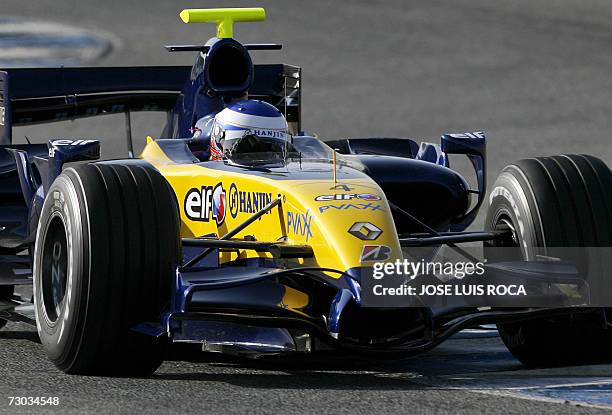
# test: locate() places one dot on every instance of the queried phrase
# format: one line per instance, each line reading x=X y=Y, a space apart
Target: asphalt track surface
x=535 y=76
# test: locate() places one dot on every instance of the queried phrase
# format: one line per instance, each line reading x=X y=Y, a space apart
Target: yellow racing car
x=237 y=231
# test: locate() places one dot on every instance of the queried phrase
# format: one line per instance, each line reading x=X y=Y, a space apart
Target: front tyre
x=106 y=248
x=547 y=202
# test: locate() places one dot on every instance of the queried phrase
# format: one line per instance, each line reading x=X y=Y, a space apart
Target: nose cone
x=348 y=225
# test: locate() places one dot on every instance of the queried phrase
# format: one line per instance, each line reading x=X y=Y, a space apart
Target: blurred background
x=536 y=77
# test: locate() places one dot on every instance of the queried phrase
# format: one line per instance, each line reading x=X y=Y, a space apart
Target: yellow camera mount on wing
x=224 y=18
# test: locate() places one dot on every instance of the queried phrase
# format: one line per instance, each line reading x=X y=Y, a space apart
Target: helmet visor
x=256 y=146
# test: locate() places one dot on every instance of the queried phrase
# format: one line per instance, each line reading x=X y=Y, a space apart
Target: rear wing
x=42 y=95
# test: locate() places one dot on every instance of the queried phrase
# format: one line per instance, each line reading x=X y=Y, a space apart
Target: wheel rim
x=507 y=248
x=54 y=268
x=504 y=223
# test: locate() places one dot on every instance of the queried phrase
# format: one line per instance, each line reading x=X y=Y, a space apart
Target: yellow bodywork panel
x=308 y=213
x=224 y=18
x=293 y=299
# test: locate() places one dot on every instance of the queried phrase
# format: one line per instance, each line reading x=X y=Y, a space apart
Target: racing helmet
x=248 y=126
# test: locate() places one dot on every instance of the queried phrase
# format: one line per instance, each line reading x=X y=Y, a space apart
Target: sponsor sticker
x=346 y=196
x=66 y=143
x=351 y=206
x=247 y=202
x=475 y=134
x=206 y=202
x=269 y=133
x=299 y=223
x=371 y=253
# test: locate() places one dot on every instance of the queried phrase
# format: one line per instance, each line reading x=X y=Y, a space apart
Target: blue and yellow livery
x=129 y=256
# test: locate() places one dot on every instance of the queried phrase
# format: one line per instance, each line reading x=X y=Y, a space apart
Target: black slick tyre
x=548 y=202
x=106 y=249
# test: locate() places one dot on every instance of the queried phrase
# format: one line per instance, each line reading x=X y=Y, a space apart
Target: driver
x=248 y=126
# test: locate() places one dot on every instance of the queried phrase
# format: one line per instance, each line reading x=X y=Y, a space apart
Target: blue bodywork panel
x=250 y=304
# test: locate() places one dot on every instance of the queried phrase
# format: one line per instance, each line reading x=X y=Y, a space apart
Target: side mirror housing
x=474 y=146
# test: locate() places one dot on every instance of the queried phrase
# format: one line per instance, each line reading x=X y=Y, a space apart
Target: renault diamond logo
x=365 y=231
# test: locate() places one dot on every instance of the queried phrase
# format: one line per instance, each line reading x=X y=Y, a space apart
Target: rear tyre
x=547 y=202
x=106 y=248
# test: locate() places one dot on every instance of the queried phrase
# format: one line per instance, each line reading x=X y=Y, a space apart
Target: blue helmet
x=246 y=125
